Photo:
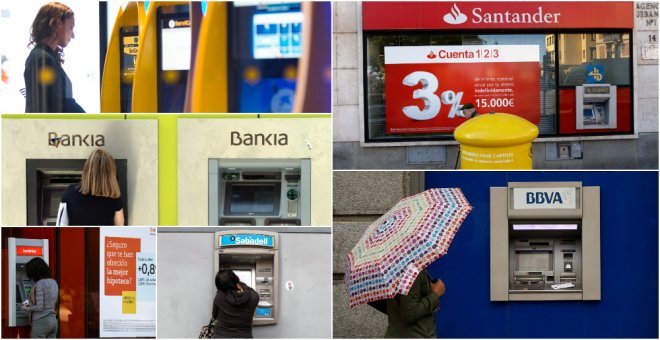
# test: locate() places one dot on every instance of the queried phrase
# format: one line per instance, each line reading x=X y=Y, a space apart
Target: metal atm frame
x=258 y=252
x=544 y=234
x=287 y=180
x=599 y=101
x=24 y=246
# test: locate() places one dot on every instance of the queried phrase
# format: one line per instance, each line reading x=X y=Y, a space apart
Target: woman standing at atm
x=43 y=296
x=96 y=200
x=233 y=306
x=47 y=87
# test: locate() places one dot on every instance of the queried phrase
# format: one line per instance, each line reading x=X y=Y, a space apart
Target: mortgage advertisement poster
x=128 y=280
x=428 y=88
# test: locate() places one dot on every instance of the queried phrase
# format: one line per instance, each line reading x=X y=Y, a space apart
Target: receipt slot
x=20 y=251
x=264 y=192
x=595 y=106
x=254 y=258
x=545 y=242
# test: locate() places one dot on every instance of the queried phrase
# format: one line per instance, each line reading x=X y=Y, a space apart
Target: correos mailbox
x=545 y=242
x=254 y=257
x=20 y=252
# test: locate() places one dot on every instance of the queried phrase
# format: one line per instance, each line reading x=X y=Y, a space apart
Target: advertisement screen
x=128 y=280
x=426 y=87
x=277 y=35
x=176 y=45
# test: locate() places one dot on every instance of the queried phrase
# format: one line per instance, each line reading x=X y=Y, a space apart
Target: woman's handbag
x=207 y=331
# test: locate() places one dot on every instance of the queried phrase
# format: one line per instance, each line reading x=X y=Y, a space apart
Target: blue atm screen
x=263 y=312
x=277 y=35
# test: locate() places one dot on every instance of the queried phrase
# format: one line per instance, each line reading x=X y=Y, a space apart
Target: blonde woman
x=96 y=200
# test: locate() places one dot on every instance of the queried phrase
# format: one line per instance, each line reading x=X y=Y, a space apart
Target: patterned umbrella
x=401 y=243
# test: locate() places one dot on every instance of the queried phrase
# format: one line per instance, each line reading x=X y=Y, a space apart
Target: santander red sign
x=500 y=15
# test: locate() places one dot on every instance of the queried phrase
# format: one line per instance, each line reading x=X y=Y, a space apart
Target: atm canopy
x=496 y=15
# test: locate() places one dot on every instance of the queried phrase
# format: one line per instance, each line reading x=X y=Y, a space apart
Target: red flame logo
x=431 y=55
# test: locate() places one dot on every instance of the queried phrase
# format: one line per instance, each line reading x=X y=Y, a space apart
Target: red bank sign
x=426 y=87
x=496 y=15
x=29 y=251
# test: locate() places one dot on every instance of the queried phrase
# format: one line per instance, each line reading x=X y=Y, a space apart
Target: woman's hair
x=226 y=280
x=99 y=175
x=43 y=26
x=37 y=269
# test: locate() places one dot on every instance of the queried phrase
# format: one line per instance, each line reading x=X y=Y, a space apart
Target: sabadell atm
x=544 y=242
x=254 y=257
x=265 y=192
x=20 y=251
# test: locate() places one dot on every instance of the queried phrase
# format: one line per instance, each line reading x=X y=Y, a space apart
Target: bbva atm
x=544 y=242
x=263 y=192
x=254 y=257
x=20 y=251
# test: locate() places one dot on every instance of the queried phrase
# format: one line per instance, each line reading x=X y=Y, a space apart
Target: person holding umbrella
x=388 y=264
x=413 y=315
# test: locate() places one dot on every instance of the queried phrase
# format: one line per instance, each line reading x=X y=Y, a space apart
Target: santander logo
x=455 y=17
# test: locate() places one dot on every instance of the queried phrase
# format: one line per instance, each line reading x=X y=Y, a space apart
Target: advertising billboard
x=426 y=87
x=128 y=280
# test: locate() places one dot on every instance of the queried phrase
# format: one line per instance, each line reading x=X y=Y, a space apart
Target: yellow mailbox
x=496 y=141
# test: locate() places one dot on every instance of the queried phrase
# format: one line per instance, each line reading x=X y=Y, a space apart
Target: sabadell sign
x=499 y=15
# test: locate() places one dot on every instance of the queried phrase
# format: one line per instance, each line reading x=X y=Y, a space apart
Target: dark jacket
x=412 y=315
x=234 y=312
x=88 y=210
x=47 y=87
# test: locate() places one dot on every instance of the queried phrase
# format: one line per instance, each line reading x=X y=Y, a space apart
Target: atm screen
x=534 y=261
x=267 y=42
x=589 y=115
x=246 y=276
x=174 y=41
x=252 y=199
x=128 y=39
x=277 y=35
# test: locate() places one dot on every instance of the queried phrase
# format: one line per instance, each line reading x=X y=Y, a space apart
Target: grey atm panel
x=263 y=192
x=254 y=258
x=19 y=284
x=595 y=106
x=47 y=179
x=544 y=242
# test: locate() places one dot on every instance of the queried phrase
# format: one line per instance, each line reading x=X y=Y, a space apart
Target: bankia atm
x=254 y=257
x=545 y=242
x=262 y=192
x=20 y=251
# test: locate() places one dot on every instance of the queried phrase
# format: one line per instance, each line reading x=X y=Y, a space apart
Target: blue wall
x=629 y=264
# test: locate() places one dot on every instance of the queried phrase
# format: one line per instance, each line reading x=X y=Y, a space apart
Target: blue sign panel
x=246 y=240
x=263 y=312
x=595 y=74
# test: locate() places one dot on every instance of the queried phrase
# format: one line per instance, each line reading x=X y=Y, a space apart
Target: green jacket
x=412 y=315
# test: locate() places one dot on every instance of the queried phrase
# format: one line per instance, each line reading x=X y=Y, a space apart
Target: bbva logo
x=455 y=17
x=544 y=197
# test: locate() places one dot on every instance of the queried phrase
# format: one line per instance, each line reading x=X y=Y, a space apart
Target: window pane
x=375 y=76
x=609 y=50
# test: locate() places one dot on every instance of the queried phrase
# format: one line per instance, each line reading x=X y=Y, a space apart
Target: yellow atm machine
x=260 y=57
x=20 y=251
x=262 y=192
x=165 y=56
x=254 y=257
x=544 y=242
x=120 y=59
